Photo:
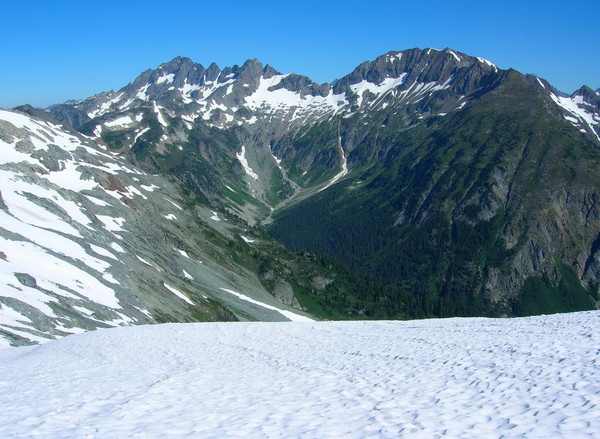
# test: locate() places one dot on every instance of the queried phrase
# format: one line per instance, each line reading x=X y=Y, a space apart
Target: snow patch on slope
x=291 y=102
x=50 y=272
x=56 y=277
x=344 y=170
x=582 y=114
x=121 y=121
x=540 y=82
x=178 y=293
x=166 y=78
x=241 y=156
x=488 y=63
x=159 y=115
x=454 y=54
x=186 y=91
x=142 y=93
x=288 y=314
x=378 y=89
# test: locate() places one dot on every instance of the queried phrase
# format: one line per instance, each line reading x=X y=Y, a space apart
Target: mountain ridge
x=288 y=158
x=423 y=183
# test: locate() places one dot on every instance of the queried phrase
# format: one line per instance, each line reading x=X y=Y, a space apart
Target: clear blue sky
x=58 y=50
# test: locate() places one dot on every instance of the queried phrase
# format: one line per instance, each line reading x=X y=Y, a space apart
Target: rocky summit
x=424 y=183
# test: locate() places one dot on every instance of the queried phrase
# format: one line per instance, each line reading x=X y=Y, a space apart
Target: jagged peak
x=422 y=65
x=191 y=82
x=252 y=65
x=176 y=61
x=269 y=72
x=213 y=72
x=587 y=95
x=583 y=91
x=301 y=84
x=35 y=112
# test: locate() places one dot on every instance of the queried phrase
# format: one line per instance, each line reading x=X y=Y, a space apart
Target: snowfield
x=528 y=377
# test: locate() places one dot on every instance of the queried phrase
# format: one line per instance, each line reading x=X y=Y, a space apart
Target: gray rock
x=25 y=279
x=320 y=283
x=284 y=292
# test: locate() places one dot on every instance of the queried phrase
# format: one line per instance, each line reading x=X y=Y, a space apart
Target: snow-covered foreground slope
x=534 y=377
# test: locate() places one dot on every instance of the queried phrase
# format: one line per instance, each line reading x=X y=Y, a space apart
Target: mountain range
x=423 y=183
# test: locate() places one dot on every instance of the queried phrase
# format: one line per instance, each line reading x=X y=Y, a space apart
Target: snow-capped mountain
x=234 y=96
x=261 y=113
x=457 y=187
x=162 y=110
x=253 y=94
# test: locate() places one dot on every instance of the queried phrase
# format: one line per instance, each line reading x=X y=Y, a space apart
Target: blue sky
x=58 y=50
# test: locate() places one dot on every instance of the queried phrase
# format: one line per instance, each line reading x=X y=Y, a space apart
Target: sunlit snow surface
x=530 y=377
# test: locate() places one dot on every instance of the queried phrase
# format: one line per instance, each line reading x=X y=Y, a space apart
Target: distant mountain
x=428 y=182
x=183 y=103
x=418 y=136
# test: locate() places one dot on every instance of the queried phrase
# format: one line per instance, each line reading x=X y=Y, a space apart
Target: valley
x=425 y=183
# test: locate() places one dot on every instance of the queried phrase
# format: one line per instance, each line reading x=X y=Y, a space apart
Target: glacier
x=461 y=377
